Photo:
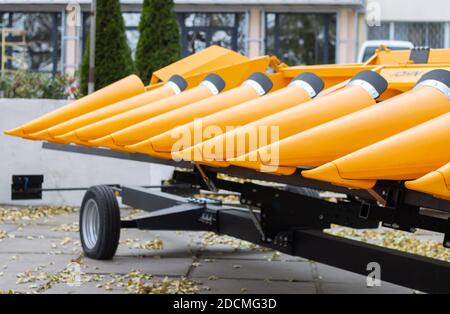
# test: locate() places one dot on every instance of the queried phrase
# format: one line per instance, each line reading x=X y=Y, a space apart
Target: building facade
x=297 y=31
x=422 y=23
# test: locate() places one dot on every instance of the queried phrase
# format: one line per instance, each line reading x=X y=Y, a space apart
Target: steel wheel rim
x=91 y=223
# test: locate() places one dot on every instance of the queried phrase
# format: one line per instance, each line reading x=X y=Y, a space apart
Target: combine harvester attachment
x=258 y=84
x=404 y=156
x=436 y=183
x=211 y=85
x=174 y=86
x=375 y=134
x=130 y=92
x=302 y=88
x=339 y=137
x=123 y=89
x=359 y=93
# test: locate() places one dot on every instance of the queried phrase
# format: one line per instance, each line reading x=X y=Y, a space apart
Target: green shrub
x=159 y=40
x=26 y=84
x=112 y=55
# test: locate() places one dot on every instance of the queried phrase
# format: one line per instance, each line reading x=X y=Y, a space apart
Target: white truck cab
x=369 y=47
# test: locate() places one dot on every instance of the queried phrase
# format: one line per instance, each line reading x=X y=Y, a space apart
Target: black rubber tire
x=109 y=217
x=303 y=191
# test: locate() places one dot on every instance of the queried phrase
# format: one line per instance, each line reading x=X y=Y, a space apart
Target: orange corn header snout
x=350 y=125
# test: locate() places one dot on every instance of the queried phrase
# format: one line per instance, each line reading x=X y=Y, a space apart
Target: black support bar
x=409 y=270
x=405 y=269
x=411 y=197
x=149 y=199
x=185 y=217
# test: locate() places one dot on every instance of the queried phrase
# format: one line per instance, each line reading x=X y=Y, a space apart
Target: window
x=43 y=37
x=419 y=33
x=131 y=20
x=200 y=30
x=298 y=38
x=381 y=32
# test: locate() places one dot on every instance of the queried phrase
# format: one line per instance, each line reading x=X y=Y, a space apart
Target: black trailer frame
x=289 y=220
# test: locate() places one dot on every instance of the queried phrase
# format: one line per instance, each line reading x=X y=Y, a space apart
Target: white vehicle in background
x=369 y=47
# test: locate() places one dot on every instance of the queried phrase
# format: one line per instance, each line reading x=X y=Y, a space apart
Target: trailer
x=375 y=133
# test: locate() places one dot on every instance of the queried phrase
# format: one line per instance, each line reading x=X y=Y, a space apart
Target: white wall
x=60 y=169
x=414 y=10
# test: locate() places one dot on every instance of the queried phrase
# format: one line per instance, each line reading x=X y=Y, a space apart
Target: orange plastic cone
x=359 y=93
x=257 y=85
x=405 y=156
x=436 y=183
x=339 y=137
x=302 y=88
x=174 y=86
x=125 y=88
x=123 y=120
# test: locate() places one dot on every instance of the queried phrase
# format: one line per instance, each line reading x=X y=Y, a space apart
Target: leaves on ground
x=13 y=214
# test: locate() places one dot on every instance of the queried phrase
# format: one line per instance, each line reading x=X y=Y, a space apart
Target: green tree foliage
x=27 y=84
x=159 y=41
x=112 y=55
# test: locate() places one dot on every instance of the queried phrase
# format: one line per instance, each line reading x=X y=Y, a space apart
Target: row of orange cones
x=349 y=137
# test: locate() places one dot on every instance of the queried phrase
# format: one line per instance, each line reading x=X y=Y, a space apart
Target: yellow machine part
x=387 y=56
x=218 y=123
x=436 y=183
x=164 y=122
x=105 y=112
x=287 y=122
x=123 y=120
x=121 y=115
x=203 y=62
x=220 y=60
x=339 y=137
x=123 y=89
x=405 y=156
x=228 y=73
x=194 y=68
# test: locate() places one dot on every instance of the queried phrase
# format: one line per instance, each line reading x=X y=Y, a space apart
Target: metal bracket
x=404 y=216
x=420 y=55
x=26 y=187
x=283 y=211
x=209 y=183
x=172 y=218
x=209 y=218
x=180 y=189
x=446 y=242
x=285 y=240
x=257 y=223
x=204 y=201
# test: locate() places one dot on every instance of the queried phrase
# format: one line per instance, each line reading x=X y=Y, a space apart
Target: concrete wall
x=255 y=33
x=60 y=169
x=347 y=36
x=414 y=10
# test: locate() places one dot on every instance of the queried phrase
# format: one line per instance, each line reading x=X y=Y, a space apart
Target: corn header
x=377 y=133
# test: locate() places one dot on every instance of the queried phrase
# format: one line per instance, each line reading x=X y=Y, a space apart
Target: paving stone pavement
x=36 y=252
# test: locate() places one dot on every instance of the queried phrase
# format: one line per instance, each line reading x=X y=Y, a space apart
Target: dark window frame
x=393 y=26
x=276 y=32
x=55 y=35
x=209 y=30
x=85 y=29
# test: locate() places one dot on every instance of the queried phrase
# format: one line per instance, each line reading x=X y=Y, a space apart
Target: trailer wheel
x=99 y=223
